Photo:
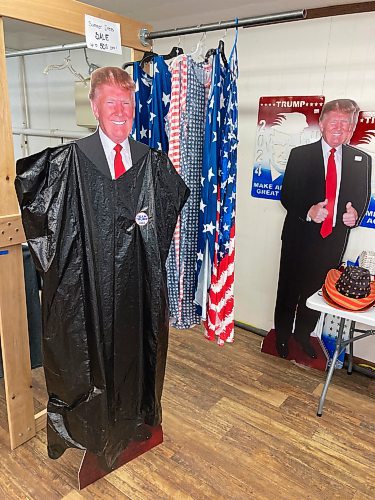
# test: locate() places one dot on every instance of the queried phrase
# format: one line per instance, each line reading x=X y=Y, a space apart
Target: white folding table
x=317 y=303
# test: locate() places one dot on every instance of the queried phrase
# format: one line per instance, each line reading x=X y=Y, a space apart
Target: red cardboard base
x=90 y=469
x=295 y=351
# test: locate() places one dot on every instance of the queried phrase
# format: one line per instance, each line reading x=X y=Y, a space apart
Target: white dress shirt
x=110 y=153
x=338 y=160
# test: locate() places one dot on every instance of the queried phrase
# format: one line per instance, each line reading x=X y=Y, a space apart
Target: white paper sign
x=102 y=35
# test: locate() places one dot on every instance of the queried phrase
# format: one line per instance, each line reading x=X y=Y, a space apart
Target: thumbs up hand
x=350 y=217
x=318 y=212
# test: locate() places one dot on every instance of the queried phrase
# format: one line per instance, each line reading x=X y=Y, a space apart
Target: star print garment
x=215 y=260
x=192 y=135
x=177 y=105
x=220 y=311
x=159 y=103
x=143 y=83
x=208 y=201
x=152 y=99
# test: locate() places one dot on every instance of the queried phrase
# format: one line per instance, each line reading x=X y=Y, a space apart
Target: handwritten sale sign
x=103 y=35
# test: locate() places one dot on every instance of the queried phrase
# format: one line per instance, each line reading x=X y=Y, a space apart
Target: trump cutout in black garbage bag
x=99 y=215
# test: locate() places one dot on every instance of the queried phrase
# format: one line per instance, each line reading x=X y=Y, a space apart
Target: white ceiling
x=162 y=14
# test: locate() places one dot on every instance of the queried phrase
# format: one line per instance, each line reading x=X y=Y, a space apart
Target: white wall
x=334 y=57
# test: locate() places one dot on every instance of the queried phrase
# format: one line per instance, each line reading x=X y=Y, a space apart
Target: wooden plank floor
x=237 y=423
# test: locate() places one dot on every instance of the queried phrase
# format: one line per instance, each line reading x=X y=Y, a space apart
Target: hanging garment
x=191 y=137
x=152 y=99
x=220 y=310
x=177 y=107
x=159 y=103
x=215 y=262
x=101 y=246
x=143 y=83
x=209 y=186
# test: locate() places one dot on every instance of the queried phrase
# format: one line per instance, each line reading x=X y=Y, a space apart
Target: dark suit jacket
x=304 y=186
x=92 y=147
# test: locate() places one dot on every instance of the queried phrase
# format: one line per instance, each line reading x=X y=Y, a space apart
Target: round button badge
x=141 y=219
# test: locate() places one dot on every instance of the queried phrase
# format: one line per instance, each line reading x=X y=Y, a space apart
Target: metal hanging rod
x=66 y=134
x=294 y=15
x=45 y=50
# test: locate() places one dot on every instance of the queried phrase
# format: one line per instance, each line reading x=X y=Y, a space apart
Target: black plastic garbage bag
x=101 y=246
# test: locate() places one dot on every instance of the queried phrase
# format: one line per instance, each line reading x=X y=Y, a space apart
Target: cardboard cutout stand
x=90 y=469
x=68 y=16
x=296 y=352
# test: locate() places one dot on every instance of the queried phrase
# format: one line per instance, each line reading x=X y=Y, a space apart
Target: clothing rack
x=45 y=50
x=294 y=15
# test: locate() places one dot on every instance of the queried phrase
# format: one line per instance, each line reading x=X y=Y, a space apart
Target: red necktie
x=119 y=165
x=331 y=184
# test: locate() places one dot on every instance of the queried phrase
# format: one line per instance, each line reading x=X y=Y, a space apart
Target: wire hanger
x=221 y=50
x=199 y=48
x=92 y=66
x=67 y=64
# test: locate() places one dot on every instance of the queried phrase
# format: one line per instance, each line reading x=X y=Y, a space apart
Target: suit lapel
x=320 y=176
x=138 y=150
x=91 y=146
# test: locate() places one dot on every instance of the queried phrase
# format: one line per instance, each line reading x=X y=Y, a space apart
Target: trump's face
x=279 y=153
x=113 y=107
x=336 y=128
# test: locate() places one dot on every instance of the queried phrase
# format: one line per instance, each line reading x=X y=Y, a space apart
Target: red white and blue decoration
x=216 y=235
x=284 y=122
x=364 y=138
x=152 y=101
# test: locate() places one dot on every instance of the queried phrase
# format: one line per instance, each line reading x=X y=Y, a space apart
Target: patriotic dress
x=192 y=121
x=143 y=84
x=152 y=100
x=215 y=258
x=177 y=106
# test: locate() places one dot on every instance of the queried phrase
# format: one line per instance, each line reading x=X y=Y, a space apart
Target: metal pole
x=25 y=107
x=66 y=134
x=45 y=50
x=282 y=17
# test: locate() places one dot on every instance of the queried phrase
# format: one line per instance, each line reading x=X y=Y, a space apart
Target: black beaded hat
x=354 y=282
